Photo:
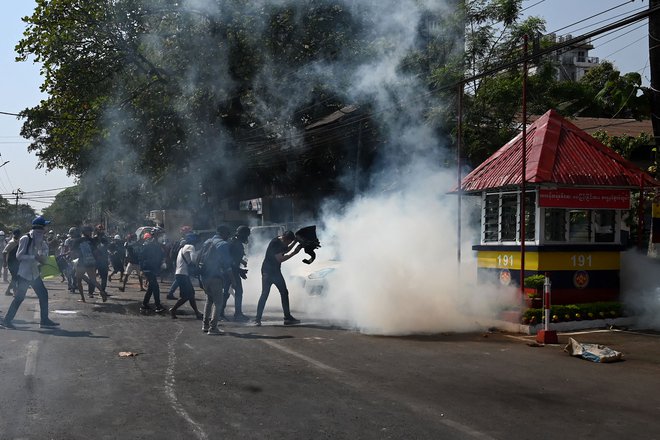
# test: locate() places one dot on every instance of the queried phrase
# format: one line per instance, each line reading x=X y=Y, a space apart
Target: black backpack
x=204 y=259
x=12 y=261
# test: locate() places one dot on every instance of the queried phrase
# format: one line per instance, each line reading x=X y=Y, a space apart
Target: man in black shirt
x=237 y=274
x=279 y=250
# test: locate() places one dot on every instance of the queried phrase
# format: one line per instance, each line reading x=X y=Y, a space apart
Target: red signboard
x=587 y=198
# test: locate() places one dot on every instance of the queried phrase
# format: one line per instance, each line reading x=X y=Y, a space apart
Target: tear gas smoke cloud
x=397 y=242
x=640 y=288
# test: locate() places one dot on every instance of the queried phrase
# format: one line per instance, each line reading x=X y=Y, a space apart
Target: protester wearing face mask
x=32 y=251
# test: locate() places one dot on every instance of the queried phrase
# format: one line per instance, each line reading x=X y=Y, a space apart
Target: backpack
x=12 y=261
x=86 y=254
x=205 y=260
x=174 y=250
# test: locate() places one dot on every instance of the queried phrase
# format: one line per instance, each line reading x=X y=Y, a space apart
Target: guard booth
x=578 y=196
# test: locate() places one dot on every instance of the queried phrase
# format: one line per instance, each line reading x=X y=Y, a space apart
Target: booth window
x=501 y=217
x=509 y=217
x=579 y=225
x=530 y=216
x=604 y=223
x=555 y=224
x=491 y=217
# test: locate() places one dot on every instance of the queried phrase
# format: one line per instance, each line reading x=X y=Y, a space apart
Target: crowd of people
x=86 y=254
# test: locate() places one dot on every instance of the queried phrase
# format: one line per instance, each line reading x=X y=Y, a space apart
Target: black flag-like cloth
x=309 y=241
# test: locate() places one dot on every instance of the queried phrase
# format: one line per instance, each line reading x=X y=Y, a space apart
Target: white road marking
x=170 y=391
x=308 y=359
x=31 y=360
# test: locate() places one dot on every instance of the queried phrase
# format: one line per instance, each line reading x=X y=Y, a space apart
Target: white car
x=316 y=276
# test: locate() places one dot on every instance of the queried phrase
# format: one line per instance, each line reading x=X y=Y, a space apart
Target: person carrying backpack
x=184 y=261
x=117 y=253
x=133 y=248
x=86 y=264
x=32 y=252
x=174 y=254
x=214 y=263
x=9 y=260
x=151 y=258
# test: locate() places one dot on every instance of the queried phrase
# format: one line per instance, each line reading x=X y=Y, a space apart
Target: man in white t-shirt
x=184 y=258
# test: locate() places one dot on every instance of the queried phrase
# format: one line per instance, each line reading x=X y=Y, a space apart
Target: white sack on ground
x=592 y=352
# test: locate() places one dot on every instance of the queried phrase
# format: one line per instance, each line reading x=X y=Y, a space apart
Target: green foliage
x=626 y=145
x=576 y=312
x=534 y=281
x=66 y=210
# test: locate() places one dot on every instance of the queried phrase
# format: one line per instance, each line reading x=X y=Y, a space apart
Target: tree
x=158 y=97
x=67 y=209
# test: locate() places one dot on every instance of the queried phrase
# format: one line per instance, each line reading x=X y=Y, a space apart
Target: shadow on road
x=256 y=336
x=68 y=333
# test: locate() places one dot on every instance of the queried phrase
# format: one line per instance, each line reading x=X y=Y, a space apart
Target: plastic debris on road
x=127 y=354
x=592 y=352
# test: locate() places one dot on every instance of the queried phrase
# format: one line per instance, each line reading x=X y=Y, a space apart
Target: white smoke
x=396 y=269
x=640 y=288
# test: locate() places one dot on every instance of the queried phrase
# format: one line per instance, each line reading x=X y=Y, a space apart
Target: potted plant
x=533 y=287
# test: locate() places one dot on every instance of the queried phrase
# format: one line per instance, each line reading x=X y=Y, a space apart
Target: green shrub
x=573 y=312
x=534 y=281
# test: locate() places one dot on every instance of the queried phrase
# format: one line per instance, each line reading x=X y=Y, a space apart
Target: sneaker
x=49 y=324
x=8 y=325
x=205 y=328
x=257 y=322
x=241 y=318
x=173 y=314
x=159 y=309
x=291 y=321
x=215 y=331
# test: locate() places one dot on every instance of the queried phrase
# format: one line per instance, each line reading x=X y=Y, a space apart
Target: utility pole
x=654 y=64
x=18 y=193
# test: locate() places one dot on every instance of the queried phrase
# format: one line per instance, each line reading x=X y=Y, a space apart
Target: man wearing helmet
x=133 y=248
x=86 y=264
x=9 y=260
x=32 y=251
x=117 y=251
x=71 y=254
x=151 y=259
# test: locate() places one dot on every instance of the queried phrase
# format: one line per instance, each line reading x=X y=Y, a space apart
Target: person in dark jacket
x=117 y=252
x=151 y=259
x=85 y=248
x=238 y=272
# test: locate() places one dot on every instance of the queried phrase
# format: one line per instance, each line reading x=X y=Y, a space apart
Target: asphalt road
x=312 y=381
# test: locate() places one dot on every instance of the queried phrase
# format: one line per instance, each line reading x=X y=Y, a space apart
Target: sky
x=19 y=85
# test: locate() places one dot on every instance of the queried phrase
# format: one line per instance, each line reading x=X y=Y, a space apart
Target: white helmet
x=2 y=233
x=117 y=237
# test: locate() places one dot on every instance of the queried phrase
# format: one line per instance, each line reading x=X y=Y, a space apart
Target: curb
x=566 y=326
